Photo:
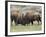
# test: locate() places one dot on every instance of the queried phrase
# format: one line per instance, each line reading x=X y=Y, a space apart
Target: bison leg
x=16 y=23
x=32 y=22
x=38 y=22
x=11 y=20
x=23 y=24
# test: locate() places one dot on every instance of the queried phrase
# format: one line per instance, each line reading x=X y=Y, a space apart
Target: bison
x=28 y=18
x=14 y=16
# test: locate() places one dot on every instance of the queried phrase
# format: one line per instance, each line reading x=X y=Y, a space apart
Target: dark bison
x=30 y=17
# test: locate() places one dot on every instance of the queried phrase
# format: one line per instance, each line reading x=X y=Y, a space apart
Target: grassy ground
x=21 y=28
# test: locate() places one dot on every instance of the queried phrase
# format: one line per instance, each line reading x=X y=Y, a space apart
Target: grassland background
x=22 y=28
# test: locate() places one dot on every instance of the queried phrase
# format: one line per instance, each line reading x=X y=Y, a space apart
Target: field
x=22 y=28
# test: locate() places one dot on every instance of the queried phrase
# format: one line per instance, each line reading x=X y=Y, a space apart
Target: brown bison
x=14 y=16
